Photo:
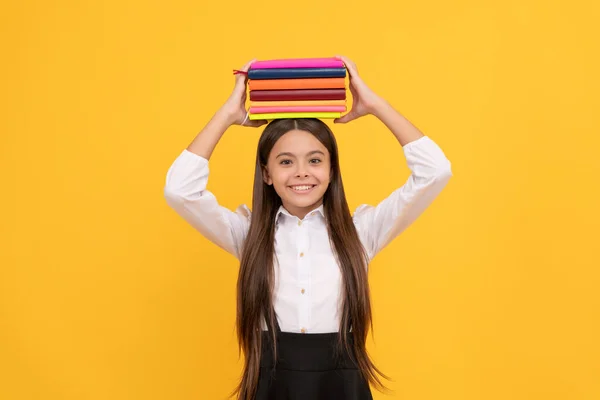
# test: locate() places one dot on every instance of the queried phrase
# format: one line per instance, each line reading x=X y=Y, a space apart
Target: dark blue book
x=290 y=73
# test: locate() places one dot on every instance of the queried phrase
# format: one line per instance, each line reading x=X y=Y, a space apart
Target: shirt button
x=302 y=291
x=301 y=254
x=303 y=330
x=299 y=222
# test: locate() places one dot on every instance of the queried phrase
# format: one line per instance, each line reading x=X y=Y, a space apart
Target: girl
x=303 y=305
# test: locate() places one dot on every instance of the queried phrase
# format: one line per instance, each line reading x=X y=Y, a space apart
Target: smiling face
x=299 y=169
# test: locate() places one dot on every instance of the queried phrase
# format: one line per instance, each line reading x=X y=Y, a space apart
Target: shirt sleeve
x=185 y=191
x=430 y=170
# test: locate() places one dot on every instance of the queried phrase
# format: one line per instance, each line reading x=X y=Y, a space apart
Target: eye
x=316 y=161
x=285 y=162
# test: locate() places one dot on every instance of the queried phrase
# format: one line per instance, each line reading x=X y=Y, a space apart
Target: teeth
x=301 y=187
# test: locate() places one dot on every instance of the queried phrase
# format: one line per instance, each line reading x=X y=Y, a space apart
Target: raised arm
x=429 y=166
x=233 y=112
x=187 y=178
x=430 y=172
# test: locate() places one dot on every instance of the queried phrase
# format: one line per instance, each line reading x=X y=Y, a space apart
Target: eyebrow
x=292 y=155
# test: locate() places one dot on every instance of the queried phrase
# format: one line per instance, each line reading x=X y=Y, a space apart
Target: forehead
x=298 y=142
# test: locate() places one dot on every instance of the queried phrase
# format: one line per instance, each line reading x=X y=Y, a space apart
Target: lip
x=304 y=191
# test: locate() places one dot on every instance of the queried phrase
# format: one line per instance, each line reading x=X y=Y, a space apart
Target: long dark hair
x=256 y=275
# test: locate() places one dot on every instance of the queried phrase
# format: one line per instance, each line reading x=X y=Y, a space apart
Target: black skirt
x=307 y=368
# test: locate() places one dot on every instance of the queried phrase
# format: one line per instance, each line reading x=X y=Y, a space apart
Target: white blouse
x=307 y=276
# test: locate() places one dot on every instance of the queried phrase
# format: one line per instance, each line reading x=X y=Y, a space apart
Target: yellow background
x=105 y=293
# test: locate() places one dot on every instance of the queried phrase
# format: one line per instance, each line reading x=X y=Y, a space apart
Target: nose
x=301 y=170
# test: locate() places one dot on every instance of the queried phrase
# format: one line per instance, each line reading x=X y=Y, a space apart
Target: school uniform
x=307 y=290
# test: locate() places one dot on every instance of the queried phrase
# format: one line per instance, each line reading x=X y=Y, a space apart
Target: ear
x=266 y=177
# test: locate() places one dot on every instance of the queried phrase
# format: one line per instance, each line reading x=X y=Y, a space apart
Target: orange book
x=302 y=83
x=295 y=103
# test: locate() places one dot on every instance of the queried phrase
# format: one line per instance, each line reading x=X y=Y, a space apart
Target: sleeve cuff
x=422 y=141
x=192 y=158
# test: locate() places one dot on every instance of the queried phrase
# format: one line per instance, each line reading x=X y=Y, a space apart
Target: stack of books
x=297 y=88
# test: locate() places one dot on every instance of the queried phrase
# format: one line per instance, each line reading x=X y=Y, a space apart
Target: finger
x=255 y=123
x=241 y=79
x=246 y=67
x=345 y=118
x=350 y=65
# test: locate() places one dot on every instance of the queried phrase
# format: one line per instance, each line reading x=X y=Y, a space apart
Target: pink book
x=282 y=109
x=329 y=62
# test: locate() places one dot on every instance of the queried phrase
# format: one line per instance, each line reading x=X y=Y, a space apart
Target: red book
x=298 y=94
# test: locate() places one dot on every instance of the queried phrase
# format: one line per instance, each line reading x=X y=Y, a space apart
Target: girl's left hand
x=364 y=100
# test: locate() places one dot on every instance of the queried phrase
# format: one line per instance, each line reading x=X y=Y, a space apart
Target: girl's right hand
x=235 y=106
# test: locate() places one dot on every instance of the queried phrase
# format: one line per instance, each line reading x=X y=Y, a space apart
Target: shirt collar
x=282 y=210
